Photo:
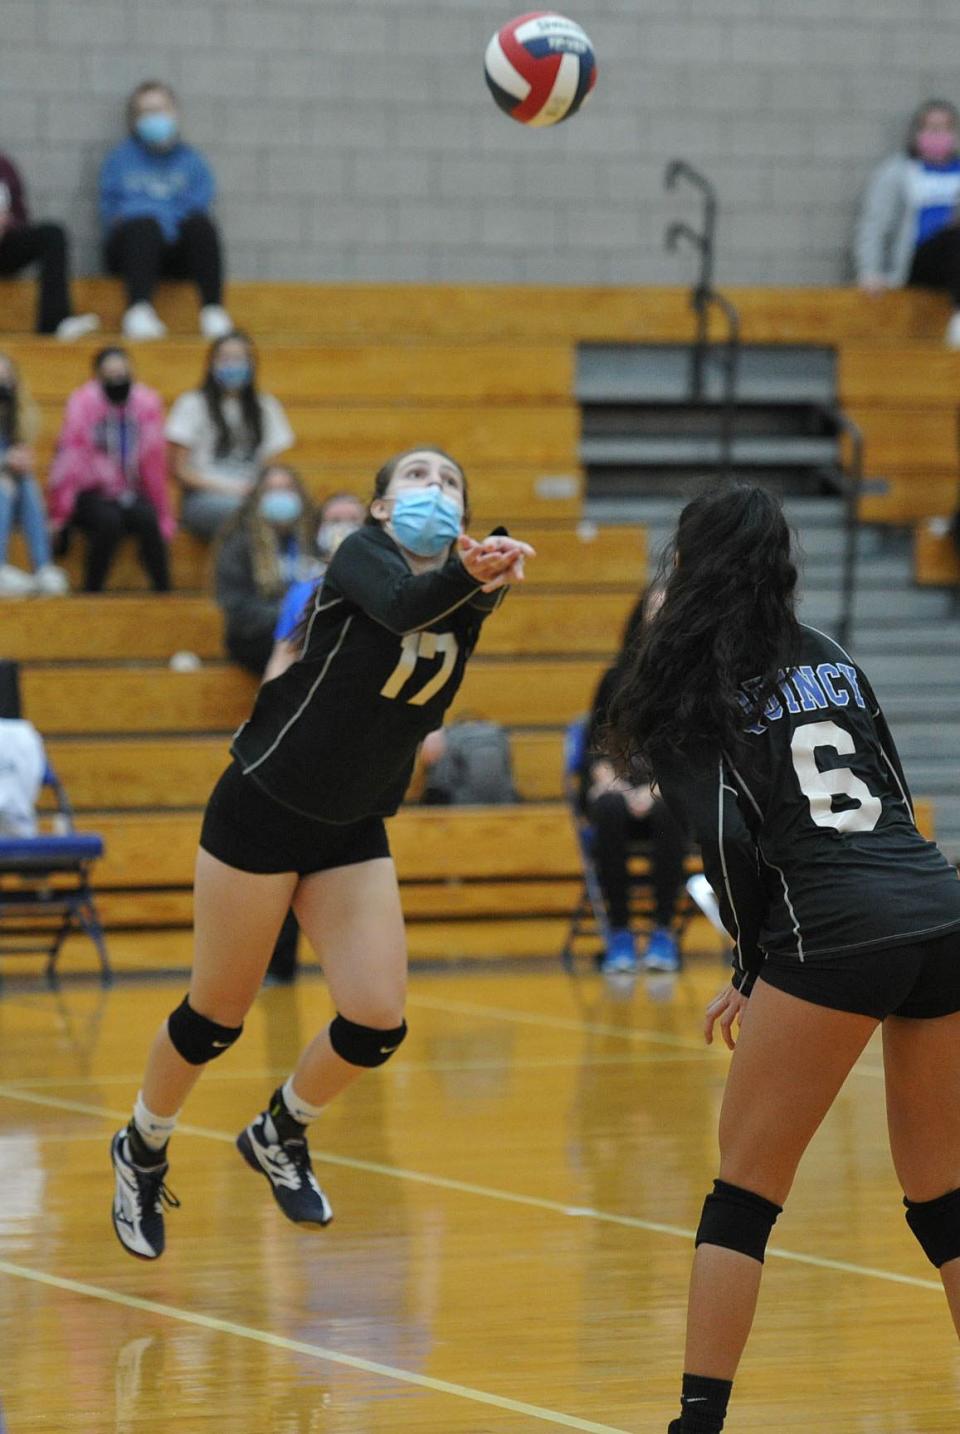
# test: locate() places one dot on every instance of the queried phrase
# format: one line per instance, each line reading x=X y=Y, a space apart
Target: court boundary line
x=311 y=1351
x=559 y=1023
x=222 y=1074
x=567 y=1023
x=488 y=1192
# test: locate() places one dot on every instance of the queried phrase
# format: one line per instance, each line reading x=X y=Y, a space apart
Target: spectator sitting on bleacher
x=909 y=225
x=109 y=476
x=221 y=435
x=47 y=246
x=21 y=501
x=340 y=515
x=155 y=197
x=266 y=546
x=620 y=815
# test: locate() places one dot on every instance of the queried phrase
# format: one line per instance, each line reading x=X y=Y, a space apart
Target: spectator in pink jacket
x=109 y=476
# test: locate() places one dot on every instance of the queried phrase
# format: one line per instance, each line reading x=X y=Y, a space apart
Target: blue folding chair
x=45 y=891
x=589 y=916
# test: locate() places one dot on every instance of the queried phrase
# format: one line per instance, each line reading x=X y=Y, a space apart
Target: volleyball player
x=297 y=818
x=766 y=738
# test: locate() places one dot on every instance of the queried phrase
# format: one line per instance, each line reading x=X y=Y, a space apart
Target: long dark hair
x=251 y=414
x=727 y=619
x=268 y=575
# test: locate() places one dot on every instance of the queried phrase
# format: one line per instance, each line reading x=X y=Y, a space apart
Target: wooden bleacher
x=936 y=561
x=570 y=556
x=363 y=370
x=487 y=312
x=488 y=368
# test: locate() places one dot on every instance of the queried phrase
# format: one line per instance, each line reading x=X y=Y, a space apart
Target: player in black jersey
x=298 y=818
x=766 y=739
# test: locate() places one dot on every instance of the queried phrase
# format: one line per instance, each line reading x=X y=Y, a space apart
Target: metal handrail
x=731 y=368
x=679 y=169
x=699 y=299
x=853 y=491
x=704 y=296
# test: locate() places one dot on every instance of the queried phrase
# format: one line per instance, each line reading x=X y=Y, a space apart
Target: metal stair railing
x=703 y=298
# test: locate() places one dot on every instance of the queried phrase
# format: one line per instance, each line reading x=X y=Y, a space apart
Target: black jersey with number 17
x=335 y=736
x=807 y=830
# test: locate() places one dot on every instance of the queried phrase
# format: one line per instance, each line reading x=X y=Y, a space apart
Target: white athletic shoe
x=215 y=322
x=14 y=582
x=76 y=327
x=138 y=1203
x=51 y=581
x=141 y=321
x=952 y=337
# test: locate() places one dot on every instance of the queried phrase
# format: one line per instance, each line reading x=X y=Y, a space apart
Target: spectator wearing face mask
x=909 y=226
x=22 y=242
x=340 y=515
x=155 y=198
x=265 y=547
x=21 y=501
x=109 y=476
x=221 y=434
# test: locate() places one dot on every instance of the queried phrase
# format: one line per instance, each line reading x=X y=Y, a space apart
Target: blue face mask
x=233 y=375
x=425 y=521
x=157 y=129
x=280 y=506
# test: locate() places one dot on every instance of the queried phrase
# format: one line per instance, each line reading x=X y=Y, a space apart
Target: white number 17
x=426 y=645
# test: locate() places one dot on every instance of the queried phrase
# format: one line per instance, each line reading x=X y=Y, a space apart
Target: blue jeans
x=21 y=505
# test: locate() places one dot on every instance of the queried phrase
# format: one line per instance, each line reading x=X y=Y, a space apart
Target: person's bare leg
x=791 y=1060
x=237 y=916
x=352 y=917
x=922 y=1066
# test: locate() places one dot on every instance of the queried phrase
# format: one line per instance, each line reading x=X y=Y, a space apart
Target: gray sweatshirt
x=886 y=234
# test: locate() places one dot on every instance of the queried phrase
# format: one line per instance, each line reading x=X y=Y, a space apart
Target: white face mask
x=331 y=535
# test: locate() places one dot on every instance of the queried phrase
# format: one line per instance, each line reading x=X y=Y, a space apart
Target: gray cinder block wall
x=354 y=139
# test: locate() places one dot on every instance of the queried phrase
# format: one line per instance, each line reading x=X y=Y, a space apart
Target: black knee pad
x=196 y=1038
x=737 y=1220
x=364 y=1045
x=936 y=1224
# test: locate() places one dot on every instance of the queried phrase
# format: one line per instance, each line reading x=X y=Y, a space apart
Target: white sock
x=300 y=1109
x=154 y=1130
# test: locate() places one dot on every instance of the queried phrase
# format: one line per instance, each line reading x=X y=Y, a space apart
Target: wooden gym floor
x=514 y=1199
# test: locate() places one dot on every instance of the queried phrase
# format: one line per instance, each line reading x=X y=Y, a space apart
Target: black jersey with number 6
x=335 y=736
x=807 y=830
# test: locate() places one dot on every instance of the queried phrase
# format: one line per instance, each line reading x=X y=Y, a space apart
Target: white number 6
x=820 y=788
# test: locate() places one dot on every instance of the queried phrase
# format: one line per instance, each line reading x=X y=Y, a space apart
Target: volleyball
x=540 y=68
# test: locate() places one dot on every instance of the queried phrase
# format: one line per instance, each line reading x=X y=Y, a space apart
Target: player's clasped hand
x=495 y=561
x=725 y=1008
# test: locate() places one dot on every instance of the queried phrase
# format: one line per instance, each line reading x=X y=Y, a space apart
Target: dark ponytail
x=727 y=618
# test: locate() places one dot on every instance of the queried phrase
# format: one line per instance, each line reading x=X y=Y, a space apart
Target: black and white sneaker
x=139 y=1201
x=286 y=1164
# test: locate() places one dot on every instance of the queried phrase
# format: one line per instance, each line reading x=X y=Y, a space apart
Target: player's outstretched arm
x=496 y=561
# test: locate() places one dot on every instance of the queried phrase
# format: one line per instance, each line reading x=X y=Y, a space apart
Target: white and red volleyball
x=540 y=68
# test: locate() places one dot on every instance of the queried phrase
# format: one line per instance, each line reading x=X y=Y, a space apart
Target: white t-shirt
x=190 y=424
x=22 y=765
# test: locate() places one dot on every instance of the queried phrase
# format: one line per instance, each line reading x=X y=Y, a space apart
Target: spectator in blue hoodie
x=155 y=197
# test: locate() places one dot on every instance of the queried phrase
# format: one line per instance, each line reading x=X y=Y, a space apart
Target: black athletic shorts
x=920 y=980
x=246 y=828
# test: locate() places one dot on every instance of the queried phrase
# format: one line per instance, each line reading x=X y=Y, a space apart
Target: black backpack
x=475 y=769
